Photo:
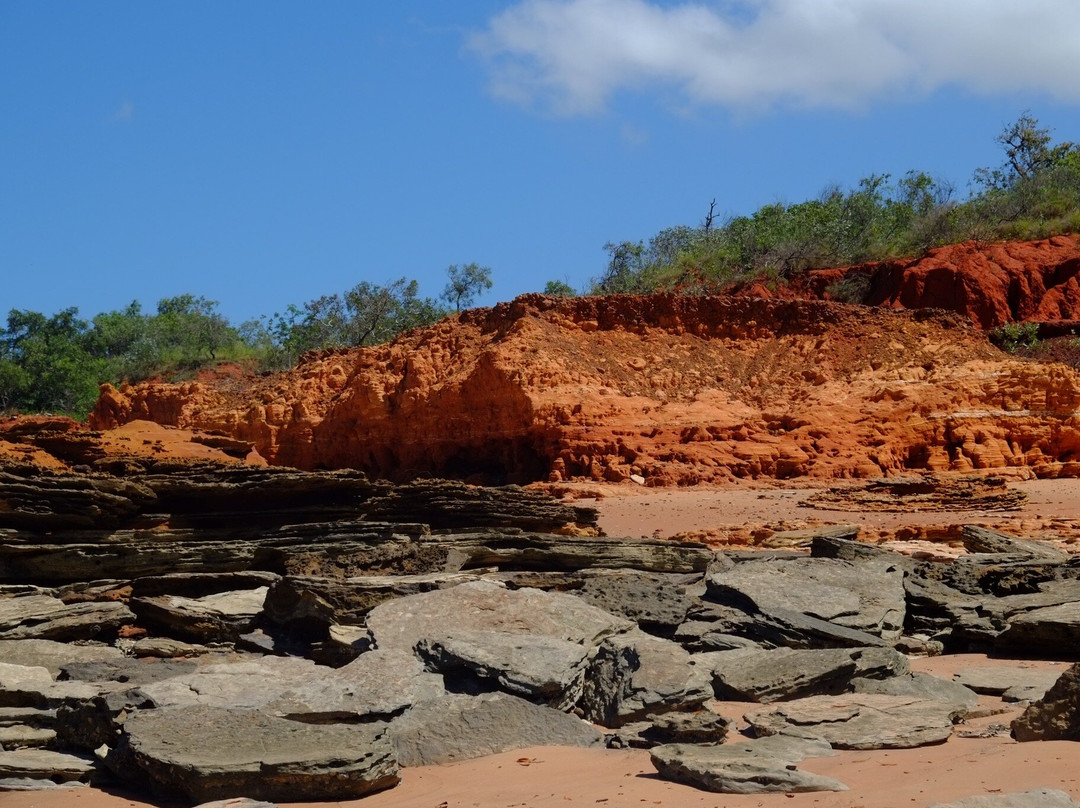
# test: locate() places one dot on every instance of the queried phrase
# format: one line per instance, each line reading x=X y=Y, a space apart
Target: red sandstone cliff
x=992 y=284
x=677 y=389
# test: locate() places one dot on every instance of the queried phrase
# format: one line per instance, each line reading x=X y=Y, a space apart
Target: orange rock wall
x=676 y=389
x=992 y=284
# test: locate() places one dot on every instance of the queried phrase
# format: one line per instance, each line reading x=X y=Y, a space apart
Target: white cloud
x=571 y=56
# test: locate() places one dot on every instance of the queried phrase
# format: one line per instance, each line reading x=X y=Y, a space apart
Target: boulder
x=1043 y=631
x=1010 y=682
x=547 y=670
x=41 y=764
x=203 y=753
x=701 y=726
x=51 y=654
x=487 y=606
x=307 y=606
x=786 y=673
x=460 y=727
x=1056 y=716
x=766 y=765
x=978 y=539
x=860 y=720
x=241 y=683
x=216 y=618
x=634 y=675
x=657 y=602
x=921 y=686
x=378 y=685
x=866 y=595
x=44 y=617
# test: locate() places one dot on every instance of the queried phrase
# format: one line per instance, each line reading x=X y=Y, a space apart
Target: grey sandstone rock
x=548 y=670
x=220 y=617
x=376 y=686
x=766 y=765
x=41 y=764
x=1010 y=682
x=52 y=655
x=701 y=726
x=922 y=686
x=1043 y=629
x=44 y=617
x=248 y=683
x=634 y=675
x=238 y=802
x=860 y=720
x=786 y=673
x=486 y=606
x=459 y=727
x=207 y=753
x=979 y=539
x=1056 y=716
x=866 y=595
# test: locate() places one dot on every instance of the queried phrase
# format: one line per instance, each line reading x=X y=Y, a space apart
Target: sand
x=552 y=776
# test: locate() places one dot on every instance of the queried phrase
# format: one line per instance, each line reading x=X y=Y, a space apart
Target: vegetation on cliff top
x=1035 y=193
x=55 y=364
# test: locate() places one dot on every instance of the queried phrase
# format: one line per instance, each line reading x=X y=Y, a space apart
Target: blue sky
x=266 y=153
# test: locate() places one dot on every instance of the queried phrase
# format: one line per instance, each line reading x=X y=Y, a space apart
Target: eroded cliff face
x=992 y=284
x=675 y=389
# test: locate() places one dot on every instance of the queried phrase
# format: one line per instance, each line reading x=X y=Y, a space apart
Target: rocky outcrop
x=313 y=621
x=1055 y=716
x=664 y=390
x=992 y=284
x=751 y=767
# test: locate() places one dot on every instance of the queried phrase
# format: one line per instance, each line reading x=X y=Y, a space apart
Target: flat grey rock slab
x=29 y=716
x=766 y=765
x=860 y=720
x=923 y=686
x=43 y=617
x=1009 y=682
x=865 y=595
x=702 y=726
x=219 y=617
x=41 y=764
x=786 y=673
x=52 y=655
x=458 y=727
x=242 y=684
x=1055 y=716
x=1043 y=630
x=376 y=685
x=656 y=602
x=25 y=686
x=207 y=753
x=632 y=676
x=31 y=784
x=979 y=539
x=485 y=606
x=1036 y=798
x=167 y=648
x=543 y=669
x=19 y=736
x=238 y=802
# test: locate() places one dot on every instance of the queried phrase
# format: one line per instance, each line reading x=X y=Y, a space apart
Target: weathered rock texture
x=992 y=284
x=672 y=389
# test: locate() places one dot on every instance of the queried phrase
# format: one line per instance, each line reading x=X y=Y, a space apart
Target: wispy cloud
x=124 y=113
x=571 y=56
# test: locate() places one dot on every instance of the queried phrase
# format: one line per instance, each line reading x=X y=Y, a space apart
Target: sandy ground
x=551 y=776
x=1052 y=511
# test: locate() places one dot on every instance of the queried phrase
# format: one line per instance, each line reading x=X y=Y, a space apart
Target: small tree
x=466 y=282
x=558 y=289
